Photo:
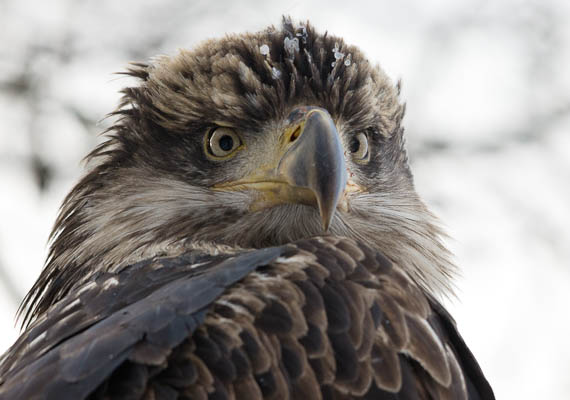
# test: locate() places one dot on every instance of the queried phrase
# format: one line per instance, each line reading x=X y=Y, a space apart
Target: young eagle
x=249 y=230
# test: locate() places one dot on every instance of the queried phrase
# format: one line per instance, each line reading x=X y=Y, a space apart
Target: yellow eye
x=222 y=142
x=358 y=147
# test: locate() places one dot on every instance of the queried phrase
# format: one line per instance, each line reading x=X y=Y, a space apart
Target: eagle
x=249 y=229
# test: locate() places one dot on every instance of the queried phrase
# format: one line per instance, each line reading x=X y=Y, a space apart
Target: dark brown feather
x=251 y=351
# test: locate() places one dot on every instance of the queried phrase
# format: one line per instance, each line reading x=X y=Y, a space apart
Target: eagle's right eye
x=222 y=142
x=358 y=147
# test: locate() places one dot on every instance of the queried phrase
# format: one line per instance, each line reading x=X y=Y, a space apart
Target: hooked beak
x=310 y=168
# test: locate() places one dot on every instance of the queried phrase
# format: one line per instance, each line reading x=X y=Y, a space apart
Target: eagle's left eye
x=358 y=147
x=222 y=142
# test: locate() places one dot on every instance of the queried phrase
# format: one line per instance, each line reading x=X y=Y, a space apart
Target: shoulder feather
x=326 y=317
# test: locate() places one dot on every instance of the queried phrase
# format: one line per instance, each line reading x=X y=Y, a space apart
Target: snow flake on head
x=302 y=33
x=264 y=49
x=291 y=46
x=337 y=54
x=275 y=73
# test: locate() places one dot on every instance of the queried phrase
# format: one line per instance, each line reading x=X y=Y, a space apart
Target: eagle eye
x=358 y=147
x=221 y=142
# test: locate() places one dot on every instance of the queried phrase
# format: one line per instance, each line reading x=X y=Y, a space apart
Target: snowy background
x=488 y=93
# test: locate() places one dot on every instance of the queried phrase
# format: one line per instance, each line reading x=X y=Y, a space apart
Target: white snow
x=275 y=73
x=488 y=128
x=264 y=49
x=291 y=46
x=302 y=34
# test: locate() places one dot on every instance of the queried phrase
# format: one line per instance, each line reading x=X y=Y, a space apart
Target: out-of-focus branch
x=537 y=131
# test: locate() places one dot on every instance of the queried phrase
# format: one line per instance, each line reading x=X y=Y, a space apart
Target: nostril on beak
x=296 y=134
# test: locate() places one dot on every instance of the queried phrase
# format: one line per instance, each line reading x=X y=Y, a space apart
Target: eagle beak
x=309 y=167
x=315 y=161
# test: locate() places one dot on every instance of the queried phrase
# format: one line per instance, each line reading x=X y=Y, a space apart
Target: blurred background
x=487 y=86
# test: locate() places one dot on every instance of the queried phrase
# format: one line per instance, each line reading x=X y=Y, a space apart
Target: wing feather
x=321 y=318
x=71 y=360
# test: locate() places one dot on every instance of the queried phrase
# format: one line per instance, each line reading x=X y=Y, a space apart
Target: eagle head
x=248 y=141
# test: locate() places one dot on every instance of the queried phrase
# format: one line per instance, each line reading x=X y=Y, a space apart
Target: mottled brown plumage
x=274 y=270
x=321 y=318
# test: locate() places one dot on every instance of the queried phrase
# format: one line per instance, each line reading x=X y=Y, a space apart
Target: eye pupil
x=354 y=145
x=226 y=143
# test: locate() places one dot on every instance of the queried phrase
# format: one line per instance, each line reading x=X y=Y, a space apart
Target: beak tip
x=326 y=218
